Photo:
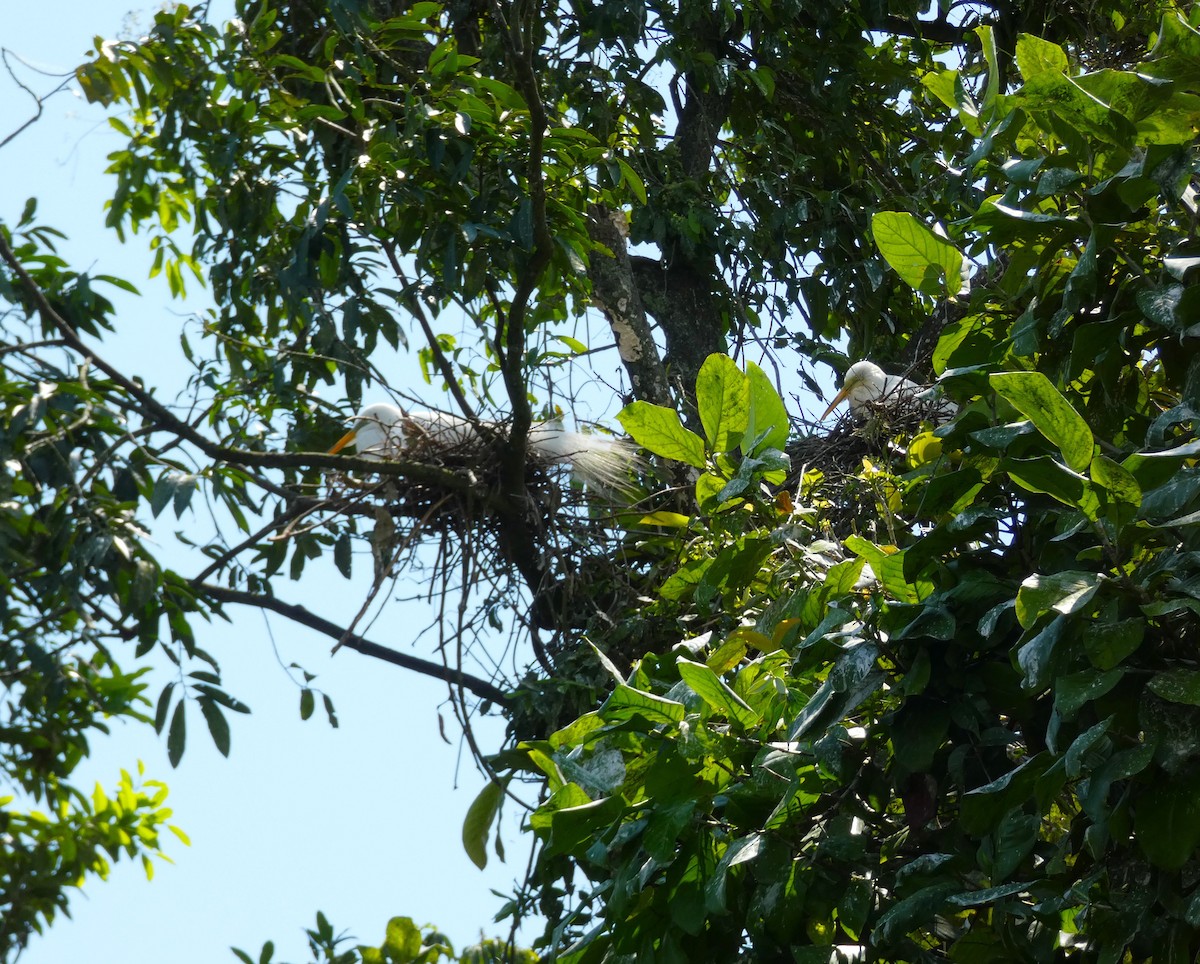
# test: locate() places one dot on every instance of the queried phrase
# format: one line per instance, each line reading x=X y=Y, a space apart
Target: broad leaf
x=659 y=430
x=926 y=262
x=715 y=692
x=477 y=826
x=1061 y=592
x=1034 y=396
x=723 y=399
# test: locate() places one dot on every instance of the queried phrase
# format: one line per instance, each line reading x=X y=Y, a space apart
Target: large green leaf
x=723 y=399
x=1049 y=476
x=715 y=692
x=659 y=430
x=1034 y=396
x=1038 y=59
x=1167 y=821
x=1117 y=481
x=1064 y=592
x=915 y=911
x=625 y=702
x=767 y=424
x=1177 y=685
x=926 y=262
x=477 y=826
x=402 y=941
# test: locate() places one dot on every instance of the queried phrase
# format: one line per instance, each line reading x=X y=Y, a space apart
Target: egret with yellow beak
x=383 y=431
x=867 y=384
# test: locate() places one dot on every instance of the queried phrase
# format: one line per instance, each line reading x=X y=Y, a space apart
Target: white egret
x=383 y=431
x=867 y=384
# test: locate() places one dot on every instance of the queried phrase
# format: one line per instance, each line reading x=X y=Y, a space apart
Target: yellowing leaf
x=478 y=823
x=675 y=520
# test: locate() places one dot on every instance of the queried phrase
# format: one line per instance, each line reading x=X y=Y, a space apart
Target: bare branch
x=457 y=677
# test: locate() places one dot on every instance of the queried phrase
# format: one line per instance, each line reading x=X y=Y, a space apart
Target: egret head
x=864 y=382
x=378 y=432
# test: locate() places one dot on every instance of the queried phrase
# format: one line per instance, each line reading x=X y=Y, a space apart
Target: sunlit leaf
x=1034 y=396
x=926 y=262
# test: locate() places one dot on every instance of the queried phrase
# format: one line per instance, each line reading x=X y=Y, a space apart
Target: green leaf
x=218 y=726
x=1178 y=686
x=985 y=807
x=723 y=399
x=1037 y=58
x=307 y=703
x=477 y=826
x=987 y=41
x=164 y=704
x=177 y=735
x=1051 y=477
x=1107 y=644
x=1167 y=821
x=401 y=941
x=988 y=895
x=889 y=570
x=1176 y=55
x=716 y=693
x=1034 y=396
x=342 y=554
x=673 y=520
x=164 y=492
x=1037 y=658
x=1116 y=480
x=1064 y=592
x=768 y=417
x=852 y=679
x=625 y=703
x=631 y=177
x=926 y=262
x=659 y=430
x=521 y=226
x=917 y=911
x=1073 y=691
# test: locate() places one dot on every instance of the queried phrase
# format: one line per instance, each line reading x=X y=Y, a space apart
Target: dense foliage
x=919 y=692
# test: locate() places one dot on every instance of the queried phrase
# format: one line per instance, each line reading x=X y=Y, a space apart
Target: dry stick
x=270 y=460
x=439 y=357
x=382 y=572
x=480 y=687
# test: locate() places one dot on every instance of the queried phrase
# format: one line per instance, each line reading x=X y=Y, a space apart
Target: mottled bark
x=615 y=292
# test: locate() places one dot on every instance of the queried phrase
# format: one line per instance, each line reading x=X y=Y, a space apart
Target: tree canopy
x=884 y=689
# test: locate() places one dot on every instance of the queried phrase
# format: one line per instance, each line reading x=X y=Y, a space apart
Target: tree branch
x=480 y=687
x=158 y=412
x=439 y=356
x=614 y=290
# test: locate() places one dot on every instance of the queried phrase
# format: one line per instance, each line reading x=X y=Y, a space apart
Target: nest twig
x=574 y=530
x=827 y=466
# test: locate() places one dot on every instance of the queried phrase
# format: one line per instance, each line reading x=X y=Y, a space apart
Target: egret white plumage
x=867 y=384
x=384 y=431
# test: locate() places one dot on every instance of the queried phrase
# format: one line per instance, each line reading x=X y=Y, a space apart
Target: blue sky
x=362 y=822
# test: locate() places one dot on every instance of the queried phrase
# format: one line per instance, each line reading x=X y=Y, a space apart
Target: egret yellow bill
x=867 y=384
